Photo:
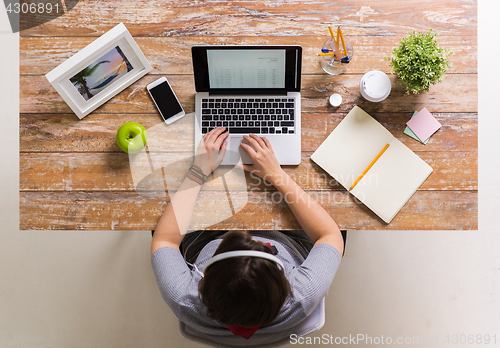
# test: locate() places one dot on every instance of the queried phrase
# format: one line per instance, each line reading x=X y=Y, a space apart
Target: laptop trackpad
x=236 y=151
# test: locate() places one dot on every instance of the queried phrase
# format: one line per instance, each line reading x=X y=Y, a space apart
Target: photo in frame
x=99 y=71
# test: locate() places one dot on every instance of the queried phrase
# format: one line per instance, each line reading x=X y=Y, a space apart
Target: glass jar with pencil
x=336 y=53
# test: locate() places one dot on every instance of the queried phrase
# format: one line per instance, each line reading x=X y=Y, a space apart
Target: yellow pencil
x=336 y=41
x=326 y=54
x=331 y=33
x=368 y=168
x=341 y=37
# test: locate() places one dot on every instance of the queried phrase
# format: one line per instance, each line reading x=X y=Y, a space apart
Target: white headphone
x=238 y=253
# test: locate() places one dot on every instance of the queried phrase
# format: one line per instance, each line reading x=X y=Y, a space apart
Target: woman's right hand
x=211 y=150
x=265 y=164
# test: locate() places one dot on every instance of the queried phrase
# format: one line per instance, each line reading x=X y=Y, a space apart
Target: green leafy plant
x=419 y=61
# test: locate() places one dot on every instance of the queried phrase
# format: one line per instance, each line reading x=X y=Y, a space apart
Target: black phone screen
x=165 y=100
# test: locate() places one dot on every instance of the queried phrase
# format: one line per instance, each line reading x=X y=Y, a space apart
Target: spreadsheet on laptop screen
x=246 y=68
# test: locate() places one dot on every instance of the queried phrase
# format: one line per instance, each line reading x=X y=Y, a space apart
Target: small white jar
x=335 y=100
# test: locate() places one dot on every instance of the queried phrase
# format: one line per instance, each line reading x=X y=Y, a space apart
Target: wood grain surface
x=74 y=177
x=172 y=55
x=263 y=18
x=96 y=133
x=454 y=94
x=132 y=211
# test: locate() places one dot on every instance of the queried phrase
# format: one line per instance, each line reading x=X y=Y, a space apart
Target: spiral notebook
x=371 y=164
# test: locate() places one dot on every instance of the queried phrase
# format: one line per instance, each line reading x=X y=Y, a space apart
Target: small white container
x=375 y=86
x=335 y=100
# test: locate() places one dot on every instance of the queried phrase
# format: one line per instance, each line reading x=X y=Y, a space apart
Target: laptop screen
x=247 y=69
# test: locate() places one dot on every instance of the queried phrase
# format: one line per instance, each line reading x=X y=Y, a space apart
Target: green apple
x=131 y=137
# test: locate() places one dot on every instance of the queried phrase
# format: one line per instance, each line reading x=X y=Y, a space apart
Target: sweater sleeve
x=174 y=278
x=312 y=279
x=179 y=288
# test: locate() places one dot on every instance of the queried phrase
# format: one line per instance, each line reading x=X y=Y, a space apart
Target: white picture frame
x=99 y=71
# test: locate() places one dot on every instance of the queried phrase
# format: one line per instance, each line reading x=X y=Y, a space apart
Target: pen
x=326 y=50
x=345 y=60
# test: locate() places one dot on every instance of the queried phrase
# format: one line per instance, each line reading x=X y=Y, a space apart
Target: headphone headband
x=238 y=253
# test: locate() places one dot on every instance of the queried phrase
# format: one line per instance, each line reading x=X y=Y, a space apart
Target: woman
x=266 y=294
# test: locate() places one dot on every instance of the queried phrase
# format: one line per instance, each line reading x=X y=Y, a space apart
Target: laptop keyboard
x=247 y=115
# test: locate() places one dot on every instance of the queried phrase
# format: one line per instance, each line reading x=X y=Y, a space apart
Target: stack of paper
x=422 y=125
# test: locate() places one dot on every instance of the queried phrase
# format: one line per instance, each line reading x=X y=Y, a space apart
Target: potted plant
x=419 y=61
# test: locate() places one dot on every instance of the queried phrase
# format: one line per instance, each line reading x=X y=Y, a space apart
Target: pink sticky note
x=423 y=124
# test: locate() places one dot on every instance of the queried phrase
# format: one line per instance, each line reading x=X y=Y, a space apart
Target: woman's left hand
x=211 y=150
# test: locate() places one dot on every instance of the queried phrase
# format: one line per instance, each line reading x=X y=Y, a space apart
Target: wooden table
x=73 y=175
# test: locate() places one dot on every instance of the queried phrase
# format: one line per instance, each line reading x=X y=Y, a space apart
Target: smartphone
x=165 y=100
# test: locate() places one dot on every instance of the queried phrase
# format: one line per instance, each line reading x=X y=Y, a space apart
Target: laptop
x=250 y=89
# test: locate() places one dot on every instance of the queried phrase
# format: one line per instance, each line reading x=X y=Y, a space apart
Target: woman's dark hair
x=246 y=291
